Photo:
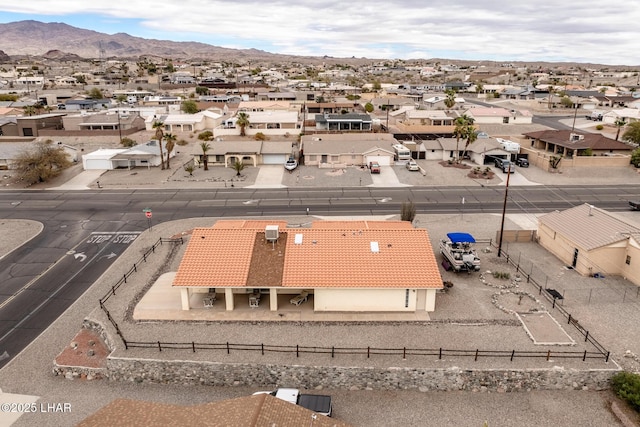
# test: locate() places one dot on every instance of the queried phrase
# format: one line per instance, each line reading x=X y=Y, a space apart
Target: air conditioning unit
x=576 y=137
x=271 y=233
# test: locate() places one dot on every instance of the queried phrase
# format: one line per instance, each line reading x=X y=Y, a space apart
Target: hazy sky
x=605 y=32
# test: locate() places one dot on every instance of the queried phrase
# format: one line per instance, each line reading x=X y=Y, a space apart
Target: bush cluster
x=627 y=386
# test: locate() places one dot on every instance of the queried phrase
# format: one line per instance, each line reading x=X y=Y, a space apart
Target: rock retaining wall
x=354 y=378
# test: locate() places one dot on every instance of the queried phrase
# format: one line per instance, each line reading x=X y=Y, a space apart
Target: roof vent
x=375 y=247
x=271 y=233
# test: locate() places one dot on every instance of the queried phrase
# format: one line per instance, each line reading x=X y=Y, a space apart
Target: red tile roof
x=334 y=254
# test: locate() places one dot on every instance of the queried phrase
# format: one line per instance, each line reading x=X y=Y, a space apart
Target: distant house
x=225 y=152
x=272 y=122
x=351 y=266
x=425 y=121
x=610 y=246
x=483 y=115
x=87 y=104
x=34 y=125
x=103 y=121
x=137 y=156
x=179 y=122
x=344 y=122
x=342 y=150
x=569 y=143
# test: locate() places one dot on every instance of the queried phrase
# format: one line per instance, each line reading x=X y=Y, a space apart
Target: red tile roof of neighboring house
x=260 y=410
x=331 y=254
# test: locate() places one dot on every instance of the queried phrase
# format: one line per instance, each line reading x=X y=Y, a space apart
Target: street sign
x=148 y=214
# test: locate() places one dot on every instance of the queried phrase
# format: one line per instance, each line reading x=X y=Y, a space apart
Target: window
x=628 y=260
x=406 y=298
x=27 y=132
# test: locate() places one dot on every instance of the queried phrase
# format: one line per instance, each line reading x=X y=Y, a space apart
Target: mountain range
x=36 y=38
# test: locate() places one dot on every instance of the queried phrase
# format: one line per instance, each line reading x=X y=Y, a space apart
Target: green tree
x=566 y=102
x=127 y=142
x=201 y=90
x=207 y=135
x=189 y=107
x=377 y=86
x=29 y=110
x=368 y=107
x=238 y=166
x=45 y=161
x=627 y=386
x=243 y=122
x=170 y=145
x=619 y=123
x=158 y=126
x=450 y=100
x=635 y=158
x=632 y=134
x=96 y=93
x=121 y=98
x=205 y=157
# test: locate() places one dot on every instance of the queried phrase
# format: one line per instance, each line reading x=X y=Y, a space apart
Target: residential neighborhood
x=382 y=231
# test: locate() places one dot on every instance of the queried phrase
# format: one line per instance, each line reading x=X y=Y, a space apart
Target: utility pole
x=504 y=211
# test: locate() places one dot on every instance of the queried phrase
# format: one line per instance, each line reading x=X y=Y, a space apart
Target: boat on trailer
x=459 y=253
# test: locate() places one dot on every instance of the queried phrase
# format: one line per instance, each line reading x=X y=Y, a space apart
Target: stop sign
x=148 y=214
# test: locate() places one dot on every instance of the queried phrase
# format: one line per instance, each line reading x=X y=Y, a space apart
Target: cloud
x=584 y=31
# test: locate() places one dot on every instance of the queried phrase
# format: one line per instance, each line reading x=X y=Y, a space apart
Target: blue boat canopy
x=461 y=238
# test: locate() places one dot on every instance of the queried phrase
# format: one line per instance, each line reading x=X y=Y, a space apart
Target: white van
x=401 y=152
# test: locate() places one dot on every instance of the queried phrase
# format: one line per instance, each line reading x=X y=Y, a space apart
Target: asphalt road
x=86 y=231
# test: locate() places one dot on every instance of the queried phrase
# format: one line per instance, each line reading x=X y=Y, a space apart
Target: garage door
x=382 y=160
x=274 y=159
x=97 y=164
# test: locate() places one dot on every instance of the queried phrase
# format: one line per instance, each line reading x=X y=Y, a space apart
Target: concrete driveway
x=269 y=176
x=386 y=178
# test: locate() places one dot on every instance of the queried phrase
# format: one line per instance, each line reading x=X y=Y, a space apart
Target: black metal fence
x=543 y=290
x=123 y=280
x=368 y=351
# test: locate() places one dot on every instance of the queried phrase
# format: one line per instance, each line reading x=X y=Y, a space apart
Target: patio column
x=228 y=299
x=273 y=299
x=430 y=304
x=184 y=298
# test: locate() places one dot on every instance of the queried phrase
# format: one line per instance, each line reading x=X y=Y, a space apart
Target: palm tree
x=205 y=158
x=159 y=136
x=471 y=135
x=171 y=143
x=450 y=100
x=619 y=123
x=29 y=110
x=460 y=131
x=238 y=166
x=243 y=122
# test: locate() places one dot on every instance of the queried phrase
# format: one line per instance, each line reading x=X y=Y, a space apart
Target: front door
x=575 y=258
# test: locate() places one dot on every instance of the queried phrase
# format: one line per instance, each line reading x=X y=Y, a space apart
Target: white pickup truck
x=315 y=402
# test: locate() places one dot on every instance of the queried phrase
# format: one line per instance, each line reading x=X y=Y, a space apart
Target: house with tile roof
x=572 y=148
x=260 y=410
x=592 y=240
x=488 y=115
x=343 y=266
x=226 y=151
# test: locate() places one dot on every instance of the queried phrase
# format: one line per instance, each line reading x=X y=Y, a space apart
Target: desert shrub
x=501 y=275
x=261 y=137
x=182 y=142
x=599 y=127
x=627 y=386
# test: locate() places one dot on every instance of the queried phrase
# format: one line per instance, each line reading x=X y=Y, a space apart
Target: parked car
x=412 y=165
x=374 y=167
x=521 y=161
x=505 y=165
x=318 y=403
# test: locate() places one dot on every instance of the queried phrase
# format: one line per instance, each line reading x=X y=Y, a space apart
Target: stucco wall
x=363 y=300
